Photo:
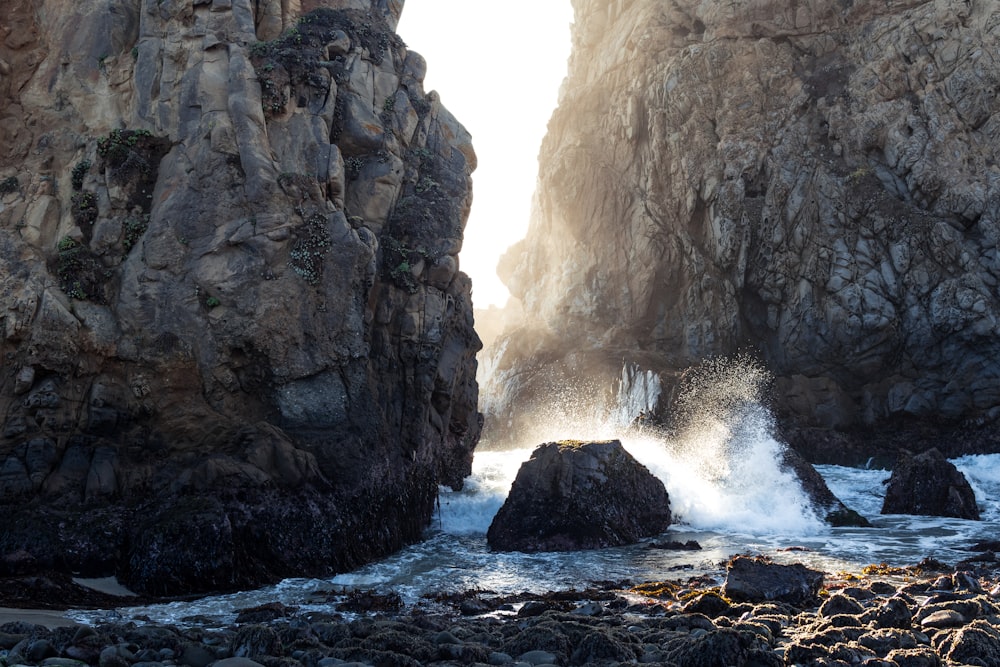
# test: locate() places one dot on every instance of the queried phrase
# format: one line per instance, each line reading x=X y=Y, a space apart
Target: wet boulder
x=580 y=495
x=979 y=641
x=822 y=499
x=760 y=580
x=928 y=484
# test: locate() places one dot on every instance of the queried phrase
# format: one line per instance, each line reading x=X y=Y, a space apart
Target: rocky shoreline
x=928 y=614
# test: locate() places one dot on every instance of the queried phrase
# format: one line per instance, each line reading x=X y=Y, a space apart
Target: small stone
x=893 y=614
x=534 y=608
x=83 y=632
x=943 y=583
x=589 y=609
x=757 y=580
x=882 y=588
x=39 y=650
x=473 y=607
x=196 y=655
x=538 y=658
x=709 y=604
x=62 y=662
x=945 y=618
x=497 y=658
x=115 y=656
x=839 y=604
x=446 y=637
x=236 y=662
x=966 y=581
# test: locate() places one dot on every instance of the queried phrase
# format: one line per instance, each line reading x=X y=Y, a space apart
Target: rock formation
x=236 y=344
x=929 y=484
x=758 y=579
x=826 y=505
x=818 y=181
x=580 y=495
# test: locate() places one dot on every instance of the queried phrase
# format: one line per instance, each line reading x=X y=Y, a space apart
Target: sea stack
x=236 y=344
x=815 y=181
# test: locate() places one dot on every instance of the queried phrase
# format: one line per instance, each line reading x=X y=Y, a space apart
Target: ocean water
x=727 y=493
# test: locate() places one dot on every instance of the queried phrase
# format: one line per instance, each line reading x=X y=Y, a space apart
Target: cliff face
x=814 y=180
x=235 y=342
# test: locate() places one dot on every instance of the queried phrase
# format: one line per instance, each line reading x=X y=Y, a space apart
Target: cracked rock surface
x=236 y=345
x=816 y=180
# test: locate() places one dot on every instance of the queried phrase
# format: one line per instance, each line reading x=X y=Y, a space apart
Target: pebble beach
x=927 y=614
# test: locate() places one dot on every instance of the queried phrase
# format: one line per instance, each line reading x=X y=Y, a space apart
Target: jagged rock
x=717 y=647
x=759 y=580
x=929 y=484
x=828 y=506
x=580 y=495
x=979 y=641
x=815 y=181
x=229 y=282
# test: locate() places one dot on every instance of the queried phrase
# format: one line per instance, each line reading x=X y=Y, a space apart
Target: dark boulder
x=759 y=580
x=272 y=377
x=580 y=495
x=979 y=641
x=716 y=647
x=826 y=504
x=929 y=484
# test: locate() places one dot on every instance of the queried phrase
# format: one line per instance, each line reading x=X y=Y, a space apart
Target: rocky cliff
x=235 y=342
x=817 y=181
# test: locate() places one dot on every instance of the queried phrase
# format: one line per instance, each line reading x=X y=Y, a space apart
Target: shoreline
x=923 y=614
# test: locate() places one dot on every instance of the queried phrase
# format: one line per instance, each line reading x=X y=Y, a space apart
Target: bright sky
x=497 y=67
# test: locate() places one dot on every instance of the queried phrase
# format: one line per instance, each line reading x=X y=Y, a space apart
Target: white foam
x=471 y=510
x=983 y=473
x=722 y=470
x=863 y=490
x=727 y=478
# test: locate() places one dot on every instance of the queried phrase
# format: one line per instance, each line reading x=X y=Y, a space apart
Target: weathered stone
x=839 y=604
x=914 y=657
x=193 y=318
x=580 y=495
x=944 y=618
x=718 y=647
x=254 y=641
x=931 y=485
x=979 y=641
x=597 y=647
x=836 y=212
x=893 y=613
x=759 y=580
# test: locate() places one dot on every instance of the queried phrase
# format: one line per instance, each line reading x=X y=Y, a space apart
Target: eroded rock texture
x=236 y=344
x=931 y=485
x=573 y=495
x=814 y=180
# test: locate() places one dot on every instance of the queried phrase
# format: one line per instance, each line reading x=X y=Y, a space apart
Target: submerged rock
x=580 y=495
x=929 y=484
